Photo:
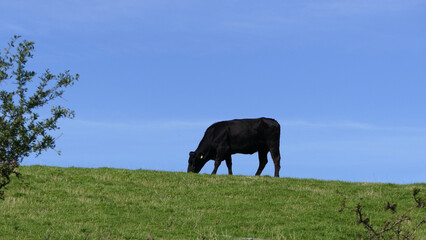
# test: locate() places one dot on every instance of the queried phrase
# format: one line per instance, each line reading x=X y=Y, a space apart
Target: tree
x=22 y=129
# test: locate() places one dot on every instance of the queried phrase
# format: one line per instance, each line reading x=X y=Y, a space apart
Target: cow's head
x=196 y=162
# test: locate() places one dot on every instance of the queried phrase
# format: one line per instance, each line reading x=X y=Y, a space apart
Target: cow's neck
x=205 y=149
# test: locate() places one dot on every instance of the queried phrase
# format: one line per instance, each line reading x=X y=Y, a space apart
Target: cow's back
x=245 y=135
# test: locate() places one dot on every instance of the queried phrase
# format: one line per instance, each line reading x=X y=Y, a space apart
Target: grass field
x=77 y=203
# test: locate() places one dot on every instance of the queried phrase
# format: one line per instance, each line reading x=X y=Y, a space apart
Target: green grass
x=77 y=203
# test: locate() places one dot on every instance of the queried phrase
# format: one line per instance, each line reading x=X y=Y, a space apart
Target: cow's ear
x=191 y=154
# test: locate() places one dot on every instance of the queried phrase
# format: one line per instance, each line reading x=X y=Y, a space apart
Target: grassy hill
x=77 y=203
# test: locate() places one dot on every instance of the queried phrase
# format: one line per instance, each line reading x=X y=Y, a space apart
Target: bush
x=22 y=130
x=396 y=227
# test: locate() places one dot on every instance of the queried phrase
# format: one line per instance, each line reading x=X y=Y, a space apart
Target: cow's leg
x=217 y=163
x=263 y=159
x=229 y=164
x=275 y=153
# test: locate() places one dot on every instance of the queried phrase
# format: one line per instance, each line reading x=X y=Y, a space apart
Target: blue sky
x=346 y=80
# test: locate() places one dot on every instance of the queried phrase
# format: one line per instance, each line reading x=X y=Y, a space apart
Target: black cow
x=247 y=136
